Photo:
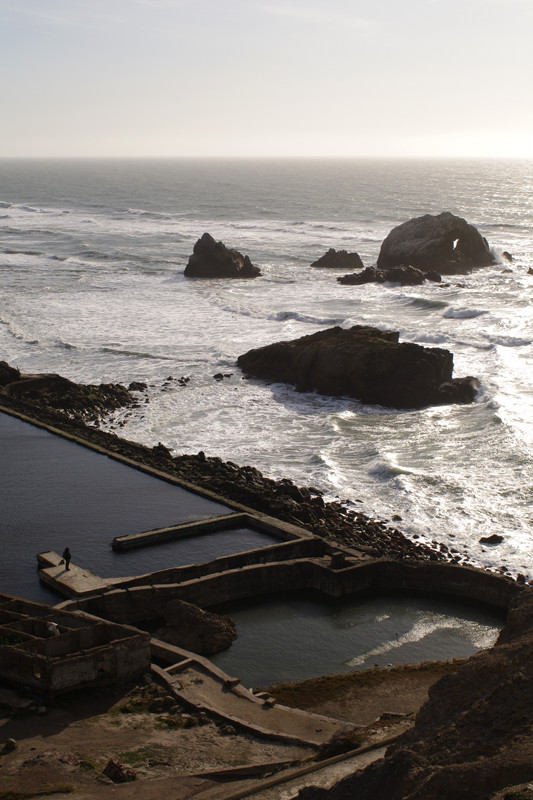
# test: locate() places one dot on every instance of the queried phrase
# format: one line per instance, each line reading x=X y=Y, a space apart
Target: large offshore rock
x=339 y=259
x=445 y=243
x=365 y=363
x=212 y=259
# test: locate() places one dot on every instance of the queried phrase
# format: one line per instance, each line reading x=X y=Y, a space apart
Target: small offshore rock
x=495 y=538
x=339 y=259
x=401 y=273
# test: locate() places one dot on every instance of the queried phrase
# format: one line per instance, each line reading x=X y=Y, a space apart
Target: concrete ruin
x=52 y=650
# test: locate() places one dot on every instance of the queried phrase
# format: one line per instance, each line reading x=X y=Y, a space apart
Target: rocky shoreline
x=298 y=505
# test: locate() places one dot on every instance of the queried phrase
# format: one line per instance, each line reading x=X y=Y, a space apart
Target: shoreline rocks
x=402 y=274
x=365 y=363
x=87 y=402
x=211 y=259
x=298 y=505
x=443 y=242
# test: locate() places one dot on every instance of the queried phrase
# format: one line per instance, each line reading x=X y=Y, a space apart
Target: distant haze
x=266 y=78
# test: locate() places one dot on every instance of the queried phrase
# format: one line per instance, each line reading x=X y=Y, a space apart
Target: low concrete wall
x=285 y=551
x=133 y=605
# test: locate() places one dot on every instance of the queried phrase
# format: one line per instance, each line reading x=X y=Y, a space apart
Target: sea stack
x=211 y=259
x=444 y=243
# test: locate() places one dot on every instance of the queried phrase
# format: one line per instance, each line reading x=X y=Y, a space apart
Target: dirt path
x=68 y=746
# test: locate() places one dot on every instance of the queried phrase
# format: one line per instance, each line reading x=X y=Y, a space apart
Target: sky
x=266 y=78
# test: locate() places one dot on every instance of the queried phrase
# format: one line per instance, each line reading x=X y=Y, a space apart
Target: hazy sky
x=266 y=77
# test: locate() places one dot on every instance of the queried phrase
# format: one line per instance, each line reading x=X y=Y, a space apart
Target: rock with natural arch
x=442 y=242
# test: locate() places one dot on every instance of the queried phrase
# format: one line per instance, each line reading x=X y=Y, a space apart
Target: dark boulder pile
x=211 y=259
x=87 y=402
x=338 y=259
x=444 y=243
x=405 y=275
x=366 y=363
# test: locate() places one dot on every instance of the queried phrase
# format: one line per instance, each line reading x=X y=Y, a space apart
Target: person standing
x=67 y=557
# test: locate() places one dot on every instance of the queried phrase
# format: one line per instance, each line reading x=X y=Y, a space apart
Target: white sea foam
x=101 y=290
x=464 y=313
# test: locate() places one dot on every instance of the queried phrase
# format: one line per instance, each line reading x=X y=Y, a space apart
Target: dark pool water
x=290 y=638
x=54 y=492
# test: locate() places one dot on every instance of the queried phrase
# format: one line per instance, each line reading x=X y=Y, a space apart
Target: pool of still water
x=54 y=492
x=290 y=638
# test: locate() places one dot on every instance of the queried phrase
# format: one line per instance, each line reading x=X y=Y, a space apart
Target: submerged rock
x=407 y=276
x=444 y=242
x=339 y=259
x=211 y=259
x=365 y=363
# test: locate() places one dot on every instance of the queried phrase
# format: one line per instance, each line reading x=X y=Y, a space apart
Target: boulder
x=366 y=363
x=339 y=259
x=192 y=628
x=445 y=243
x=212 y=259
x=407 y=276
x=8 y=374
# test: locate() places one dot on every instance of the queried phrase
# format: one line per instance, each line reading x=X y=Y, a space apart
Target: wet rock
x=211 y=259
x=494 y=538
x=365 y=363
x=339 y=259
x=8 y=374
x=405 y=275
x=444 y=242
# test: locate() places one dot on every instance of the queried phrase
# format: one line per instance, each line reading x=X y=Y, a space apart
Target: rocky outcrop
x=339 y=259
x=365 y=363
x=474 y=735
x=445 y=243
x=194 y=629
x=88 y=402
x=8 y=374
x=211 y=259
x=405 y=275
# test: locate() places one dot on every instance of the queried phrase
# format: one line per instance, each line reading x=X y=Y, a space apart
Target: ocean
x=92 y=255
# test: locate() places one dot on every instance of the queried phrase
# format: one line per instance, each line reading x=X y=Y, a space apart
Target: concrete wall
x=86 y=651
x=141 y=603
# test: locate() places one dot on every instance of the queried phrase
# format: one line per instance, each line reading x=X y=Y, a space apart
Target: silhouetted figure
x=67 y=557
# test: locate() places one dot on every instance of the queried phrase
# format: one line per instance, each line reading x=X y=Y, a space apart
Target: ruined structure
x=51 y=650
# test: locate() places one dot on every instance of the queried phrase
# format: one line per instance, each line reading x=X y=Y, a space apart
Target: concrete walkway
x=198 y=683
x=74 y=582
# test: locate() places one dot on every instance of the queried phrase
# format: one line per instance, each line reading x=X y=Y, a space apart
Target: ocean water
x=91 y=273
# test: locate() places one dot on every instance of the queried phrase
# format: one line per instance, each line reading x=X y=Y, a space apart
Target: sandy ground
x=64 y=749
